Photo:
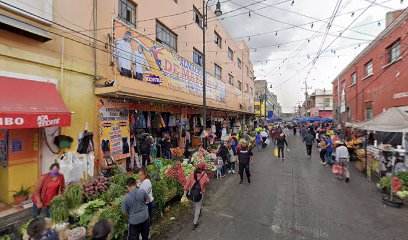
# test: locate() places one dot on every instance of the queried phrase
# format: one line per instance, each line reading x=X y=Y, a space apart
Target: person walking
x=309 y=140
x=134 y=206
x=244 y=158
x=264 y=135
x=329 y=150
x=195 y=186
x=233 y=156
x=323 y=146
x=343 y=159
x=294 y=130
x=258 y=141
x=48 y=186
x=280 y=143
x=224 y=154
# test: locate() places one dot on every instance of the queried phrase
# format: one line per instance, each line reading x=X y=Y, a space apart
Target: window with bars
x=230 y=80
x=165 y=36
x=394 y=52
x=239 y=85
x=217 y=71
x=197 y=57
x=217 y=39
x=127 y=12
x=239 y=63
x=369 y=113
x=368 y=68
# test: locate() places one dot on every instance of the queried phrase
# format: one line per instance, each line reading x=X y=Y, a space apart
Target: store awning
x=31 y=104
x=393 y=120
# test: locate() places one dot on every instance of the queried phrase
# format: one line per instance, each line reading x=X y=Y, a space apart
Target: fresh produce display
x=94 y=187
x=187 y=169
x=403 y=177
x=59 y=209
x=73 y=196
x=402 y=194
x=88 y=210
x=385 y=183
x=201 y=156
x=114 y=191
x=176 y=172
x=118 y=219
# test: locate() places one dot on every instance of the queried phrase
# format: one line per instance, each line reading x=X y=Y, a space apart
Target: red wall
x=376 y=91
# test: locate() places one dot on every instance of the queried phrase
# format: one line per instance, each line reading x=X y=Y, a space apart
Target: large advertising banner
x=137 y=56
x=114 y=133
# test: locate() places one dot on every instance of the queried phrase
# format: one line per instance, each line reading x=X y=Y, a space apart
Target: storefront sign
x=3 y=147
x=143 y=59
x=32 y=120
x=400 y=95
x=114 y=127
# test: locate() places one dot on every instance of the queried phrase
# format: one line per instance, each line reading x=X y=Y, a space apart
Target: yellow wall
x=262 y=110
x=4 y=186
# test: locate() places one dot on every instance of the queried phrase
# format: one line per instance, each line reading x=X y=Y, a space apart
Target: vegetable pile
x=94 y=187
x=176 y=172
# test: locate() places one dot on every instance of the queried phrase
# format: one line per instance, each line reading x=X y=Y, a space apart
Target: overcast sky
x=285 y=39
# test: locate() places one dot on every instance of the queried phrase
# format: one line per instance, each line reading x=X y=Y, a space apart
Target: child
x=220 y=164
x=37 y=229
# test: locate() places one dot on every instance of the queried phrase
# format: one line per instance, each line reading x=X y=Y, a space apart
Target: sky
x=291 y=43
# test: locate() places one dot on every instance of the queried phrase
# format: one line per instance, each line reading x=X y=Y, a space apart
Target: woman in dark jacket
x=280 y=143
x=224 y=154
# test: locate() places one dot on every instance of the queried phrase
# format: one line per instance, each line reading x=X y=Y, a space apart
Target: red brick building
x=377 y=78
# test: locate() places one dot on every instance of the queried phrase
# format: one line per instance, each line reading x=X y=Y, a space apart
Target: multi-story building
x=320 y=103
x=109 y=61
x=265 y=100
x=377 y=78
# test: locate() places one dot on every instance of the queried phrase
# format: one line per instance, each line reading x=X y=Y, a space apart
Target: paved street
x=295 y=199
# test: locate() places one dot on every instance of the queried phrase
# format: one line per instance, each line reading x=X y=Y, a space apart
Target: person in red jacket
x=198 y=175
x=49 y=185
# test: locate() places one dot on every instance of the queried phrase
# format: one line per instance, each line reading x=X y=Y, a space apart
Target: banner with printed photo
x=114 y=133
x=138 y=57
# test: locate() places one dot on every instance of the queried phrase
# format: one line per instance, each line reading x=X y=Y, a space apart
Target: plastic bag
x=275 y=152
x=336 y=169
x=268 y=141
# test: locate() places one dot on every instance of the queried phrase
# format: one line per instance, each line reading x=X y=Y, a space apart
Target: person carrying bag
x=195 y=189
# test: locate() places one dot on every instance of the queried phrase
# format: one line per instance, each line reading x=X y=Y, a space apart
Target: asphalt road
x=295 y=199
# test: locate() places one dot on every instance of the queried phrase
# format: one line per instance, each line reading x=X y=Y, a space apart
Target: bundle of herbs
x=59 y=209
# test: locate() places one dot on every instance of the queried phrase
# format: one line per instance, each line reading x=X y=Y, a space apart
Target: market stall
x=386 y=163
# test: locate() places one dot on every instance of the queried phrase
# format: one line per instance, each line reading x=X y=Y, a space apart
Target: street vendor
x=107 y=164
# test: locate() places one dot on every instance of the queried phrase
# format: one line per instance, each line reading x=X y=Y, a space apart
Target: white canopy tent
x=393 y=120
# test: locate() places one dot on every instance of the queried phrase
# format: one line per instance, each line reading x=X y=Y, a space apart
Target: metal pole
x=204 y=73
x=266 y=88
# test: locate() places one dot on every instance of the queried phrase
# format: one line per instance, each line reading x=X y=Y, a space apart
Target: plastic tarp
x=393 y=120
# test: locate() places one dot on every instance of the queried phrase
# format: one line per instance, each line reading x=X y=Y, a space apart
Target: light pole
x=217 y=13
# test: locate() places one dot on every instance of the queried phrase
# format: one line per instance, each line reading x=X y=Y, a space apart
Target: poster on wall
x=3 y=147
x=114 y=133
x=142 y=59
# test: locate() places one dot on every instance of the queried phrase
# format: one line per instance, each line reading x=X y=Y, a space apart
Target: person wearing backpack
x=195 y=189
x=258 y=141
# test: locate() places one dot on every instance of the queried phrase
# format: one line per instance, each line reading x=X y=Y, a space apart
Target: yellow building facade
x=72 y=43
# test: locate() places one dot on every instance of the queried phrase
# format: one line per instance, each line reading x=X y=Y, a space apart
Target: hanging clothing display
x=172 y=121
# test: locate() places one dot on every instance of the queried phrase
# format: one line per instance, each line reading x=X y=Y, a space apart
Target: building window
x=257 y=108
x=165 y=36
x=230 y=54
x=368 y=68
x=246 y=88
x=239 y=85
x=197 y=57
x=393 y=51
x=127 y=12
x=217 y=39
x=230 y=80
x=353 y=78
x=348 y=114
x=197 y=17
x=369 y=113
x=327 y=102
x=252 y=91
x=247 y=71
x=217 y=71
x=239 y=63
